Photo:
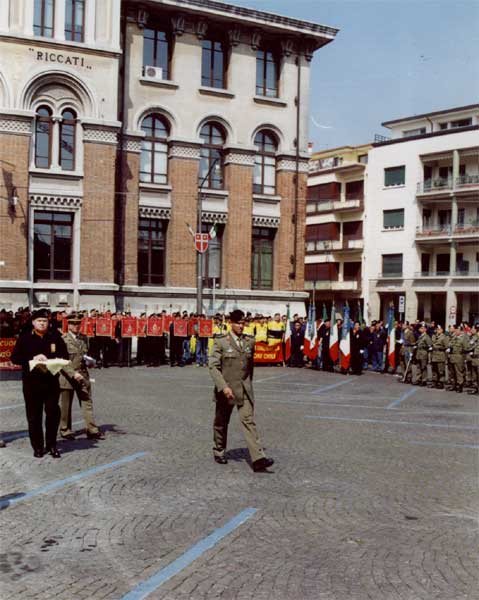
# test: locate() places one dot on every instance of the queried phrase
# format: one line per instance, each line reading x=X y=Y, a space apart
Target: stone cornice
x=272 y=222
x=214 y=217
x=15 y=124
x=288 y=163
x=183 y=149
x=100 y=134
x=57 y=201
x=154 y=212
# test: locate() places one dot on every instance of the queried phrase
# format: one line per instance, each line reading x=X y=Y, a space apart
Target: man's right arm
x=214 y=364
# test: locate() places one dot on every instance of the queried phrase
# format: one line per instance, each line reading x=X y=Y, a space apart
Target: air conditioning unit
x=154 y=72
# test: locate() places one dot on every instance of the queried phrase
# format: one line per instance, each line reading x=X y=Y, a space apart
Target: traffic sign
x=402 y=302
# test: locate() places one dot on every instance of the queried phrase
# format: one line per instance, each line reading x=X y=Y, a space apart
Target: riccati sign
x=59 y=58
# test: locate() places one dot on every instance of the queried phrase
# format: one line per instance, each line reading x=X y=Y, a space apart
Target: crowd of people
x=420 y=353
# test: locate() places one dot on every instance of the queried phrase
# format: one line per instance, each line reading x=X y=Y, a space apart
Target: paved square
x=374 y=494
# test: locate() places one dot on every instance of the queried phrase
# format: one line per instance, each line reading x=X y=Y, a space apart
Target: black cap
x=236 y=316
x=41 y=313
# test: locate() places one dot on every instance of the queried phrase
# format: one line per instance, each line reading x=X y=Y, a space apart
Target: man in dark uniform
x=231 y=368
x=357 y=349
x=40 y=388
x=324 y=333
x=297 y=345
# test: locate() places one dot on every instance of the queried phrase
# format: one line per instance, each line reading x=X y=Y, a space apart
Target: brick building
x=117 y=118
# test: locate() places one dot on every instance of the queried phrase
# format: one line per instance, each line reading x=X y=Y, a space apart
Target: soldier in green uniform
x=438 y=357
x=231 y=368
x=423 y=346
x=474 y=354
x=468 y=360
x=458 y=346
x=77 y=347
x=407 y=341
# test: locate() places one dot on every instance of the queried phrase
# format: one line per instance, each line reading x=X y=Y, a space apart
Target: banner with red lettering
x=128 y=327
x=6 y=348
x=154 y=326
x=180 y=327
x=263 y=353
x=205 y=328
x=87 y=326
x=167 y=321
x=104 y=327
x=141 y=323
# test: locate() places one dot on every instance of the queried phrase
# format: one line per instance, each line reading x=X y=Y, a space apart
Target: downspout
x=120 y=193
x=294 y=256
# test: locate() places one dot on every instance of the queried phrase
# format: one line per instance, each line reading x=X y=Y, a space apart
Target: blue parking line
x=330 y=387
x=446 y=444
x=55 y=485
x=18 y=435
x=12 y=406
x=381 y=421
x=145 y=588
x=402 y=398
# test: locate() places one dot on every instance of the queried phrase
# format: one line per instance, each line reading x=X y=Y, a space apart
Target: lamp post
x=199 y=262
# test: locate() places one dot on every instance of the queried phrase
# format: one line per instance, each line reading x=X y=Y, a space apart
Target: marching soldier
x=231 y=368
x=438 y=357
x=423 y=346
x=77 y=347
x=408 y=340
x=458 y=346
x=474 y=354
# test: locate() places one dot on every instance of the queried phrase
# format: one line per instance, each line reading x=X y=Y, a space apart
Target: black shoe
x=38 y=453
x=473 y=391
x=459 y=389
x=98 y=435
x=67 y=436
x=439 y=386
x=221 y=460
x=262 y=464
x=53 y=452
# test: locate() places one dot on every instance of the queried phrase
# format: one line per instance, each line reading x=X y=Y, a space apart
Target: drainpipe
x=294 y=256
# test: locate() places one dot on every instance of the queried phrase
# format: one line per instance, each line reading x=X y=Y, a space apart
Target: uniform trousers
x=456 y=373
x=248 y=425
x=41 y=395
x=421 y=369
x=438 y=371
x=83 y=391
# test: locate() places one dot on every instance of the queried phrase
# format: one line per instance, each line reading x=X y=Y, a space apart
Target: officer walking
x=423 y=346
x=438 y=357
x=231 y=368
x=77 y=346
x=458 y=346
x=40 y=388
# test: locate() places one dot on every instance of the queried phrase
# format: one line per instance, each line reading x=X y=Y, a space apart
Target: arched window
x=211 y=162
x=43 y=137
x=264 y=181
x=67 y=140
x=154 y=150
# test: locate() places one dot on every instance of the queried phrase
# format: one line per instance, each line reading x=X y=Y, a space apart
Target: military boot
x=459 y=389
x=474 y=390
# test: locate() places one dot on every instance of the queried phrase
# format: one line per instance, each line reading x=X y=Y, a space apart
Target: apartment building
x=422 y=219
x=122 y=123
x=334 y=238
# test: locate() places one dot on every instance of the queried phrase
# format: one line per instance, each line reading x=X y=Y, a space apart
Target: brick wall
x=14 y=158
x=237 y=244
x=97 y=227
x=181 y=254
x=130 y=200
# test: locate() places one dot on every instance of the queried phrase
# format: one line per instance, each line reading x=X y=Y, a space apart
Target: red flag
x=154 y=326
x=287 y=341
x=205 y=328
x=104 y=327
x=193 y=326
x=180 y=327
x=167 y=321
x=87 y=326
x=128 y=327
x=64 y=325
x=141 y=326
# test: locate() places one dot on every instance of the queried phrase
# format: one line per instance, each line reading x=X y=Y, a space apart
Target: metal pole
x=214 y=293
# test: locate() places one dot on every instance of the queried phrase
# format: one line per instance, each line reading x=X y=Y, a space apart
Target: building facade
x=124 y=123
x=334 y=240
x=422 y=218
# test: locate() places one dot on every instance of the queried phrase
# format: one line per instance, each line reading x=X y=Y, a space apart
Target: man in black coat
x=324 y=334
x=297 y=344
x=41 y=389
x=357 y=349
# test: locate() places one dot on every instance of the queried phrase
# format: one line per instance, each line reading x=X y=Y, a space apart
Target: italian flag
x=345 y=344
x=391 y=338
x=287 y=338
x=333 y=338
x=311 y=335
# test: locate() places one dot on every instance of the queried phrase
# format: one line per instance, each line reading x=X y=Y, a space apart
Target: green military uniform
x=77 y=346
x=440 y=343
x=458 y=345
x=423 y=344
x=409 y=340
x=231 y=365
x=474 y=354
x=468 y=362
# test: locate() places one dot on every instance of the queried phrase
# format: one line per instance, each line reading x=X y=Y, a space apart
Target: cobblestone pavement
x=374 y=495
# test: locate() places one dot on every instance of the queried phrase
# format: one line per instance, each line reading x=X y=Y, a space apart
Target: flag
x=345 y=343
x=311 y=335
x=360 y=314
x=391 y=346
x=287 y=338
x=212 y=232
x=325 y=314
x=333 y=338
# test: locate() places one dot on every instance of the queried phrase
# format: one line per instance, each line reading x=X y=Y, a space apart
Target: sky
x=390 y=59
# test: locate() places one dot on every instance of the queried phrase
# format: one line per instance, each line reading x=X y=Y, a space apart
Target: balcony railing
x=427 y=274
x=333 y=245
x=467 y=180
x=325 y=163
x=332 y=205
x=460 y=229
x=434 y=185
x=396 y=275
x=468 y=273
x=337 y=286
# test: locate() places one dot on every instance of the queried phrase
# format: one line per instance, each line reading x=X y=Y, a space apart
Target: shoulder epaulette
x=220 y=335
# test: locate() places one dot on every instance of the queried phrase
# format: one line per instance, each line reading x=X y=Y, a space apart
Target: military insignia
x=53 y=348
x=229 y=350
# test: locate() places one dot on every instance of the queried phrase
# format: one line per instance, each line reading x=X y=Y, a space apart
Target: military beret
x=236 y=316
x=41 y=313
x=74 y=318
